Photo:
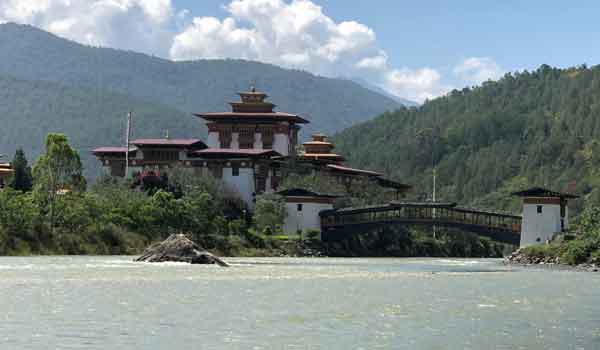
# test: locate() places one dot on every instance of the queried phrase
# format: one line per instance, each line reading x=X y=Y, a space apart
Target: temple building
x=319 y=153
x=245 y=148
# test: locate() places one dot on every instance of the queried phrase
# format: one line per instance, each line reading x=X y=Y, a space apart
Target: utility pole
x=434 y=170
x=127 y=136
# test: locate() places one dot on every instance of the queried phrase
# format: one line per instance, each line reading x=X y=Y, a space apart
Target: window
x=235 y=170
x=267 y=137
x=246 y=137
x=225 y=138
x=539 y=209
x=299 y=207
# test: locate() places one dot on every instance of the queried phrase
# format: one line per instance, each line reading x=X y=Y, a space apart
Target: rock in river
x=179 y=248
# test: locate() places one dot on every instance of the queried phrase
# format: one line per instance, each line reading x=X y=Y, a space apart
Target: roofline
x=548 y=193
x=241 y=116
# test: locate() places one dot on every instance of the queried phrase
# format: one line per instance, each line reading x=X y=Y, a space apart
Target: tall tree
x=57 y=172
x=22 y=179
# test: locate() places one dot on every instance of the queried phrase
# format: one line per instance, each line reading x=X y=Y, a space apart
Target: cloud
x=290 y=33
x=296 y=34
x=476 y=70
x=417 y=85
x=127 y=24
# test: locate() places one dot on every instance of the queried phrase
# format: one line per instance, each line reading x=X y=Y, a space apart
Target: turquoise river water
x=287 y=303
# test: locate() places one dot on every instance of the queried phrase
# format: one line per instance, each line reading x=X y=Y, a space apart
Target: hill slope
x=531 y=128
x=200 y=86
x=29 y=110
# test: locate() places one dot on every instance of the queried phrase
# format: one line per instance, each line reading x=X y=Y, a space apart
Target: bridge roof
x=389 y=206
x=543 y=192
x=487 y=212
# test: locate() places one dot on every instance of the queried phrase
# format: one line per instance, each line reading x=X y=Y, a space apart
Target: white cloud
x=379 y=62
x=478 y=69
x=416 y=85
x=126 y=24
x=290 y=33
x=296 y=34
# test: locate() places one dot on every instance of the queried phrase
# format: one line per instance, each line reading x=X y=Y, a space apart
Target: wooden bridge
x=338 y=224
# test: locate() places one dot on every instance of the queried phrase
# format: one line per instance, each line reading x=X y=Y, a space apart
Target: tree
x=57 y=172
x=22 y=179
x=269 y=212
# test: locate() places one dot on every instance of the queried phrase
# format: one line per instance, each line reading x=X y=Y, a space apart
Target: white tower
x=545 y=214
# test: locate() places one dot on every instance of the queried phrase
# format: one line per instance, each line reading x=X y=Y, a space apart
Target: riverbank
x=539 y=256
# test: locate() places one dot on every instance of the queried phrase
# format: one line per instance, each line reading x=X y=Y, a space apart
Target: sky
x=413 y=49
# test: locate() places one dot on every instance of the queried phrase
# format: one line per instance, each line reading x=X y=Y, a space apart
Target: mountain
x=530 y=128
x=377 y=89
x=199 y=86
x=31 y=109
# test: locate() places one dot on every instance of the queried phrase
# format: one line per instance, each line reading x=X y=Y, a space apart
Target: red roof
x=352 y=170
x=112 y=150
x=253 y=116
x=236 y=152
x=168 y=142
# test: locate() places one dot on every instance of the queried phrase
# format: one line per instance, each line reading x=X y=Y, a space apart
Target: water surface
x=285 y=303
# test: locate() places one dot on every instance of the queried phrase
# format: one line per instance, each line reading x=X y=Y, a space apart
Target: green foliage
x=269 y=213
x=529 y=128
x=57 y=173
x=22 y=180
x=59 y=168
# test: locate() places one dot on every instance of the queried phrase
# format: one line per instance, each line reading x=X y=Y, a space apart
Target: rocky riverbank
x=524 y=258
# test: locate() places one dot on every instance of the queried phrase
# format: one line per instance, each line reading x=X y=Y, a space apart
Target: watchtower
x=545 y=214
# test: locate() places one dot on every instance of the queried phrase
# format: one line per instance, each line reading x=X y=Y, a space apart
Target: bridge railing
x=424 y=213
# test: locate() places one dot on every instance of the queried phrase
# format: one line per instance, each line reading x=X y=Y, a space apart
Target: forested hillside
x=200 y=86
x=530 y=128
x=30 y=110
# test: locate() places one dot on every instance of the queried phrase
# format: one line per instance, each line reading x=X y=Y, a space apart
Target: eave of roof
x=321 y=155
x=100 y=150
x=543 y=192
x=212 y=152
x=317 y=143
x=301 y=192
x=252 y=116
x=168 y=142
x=352 y=170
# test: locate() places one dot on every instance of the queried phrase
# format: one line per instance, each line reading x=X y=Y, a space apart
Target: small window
x=235 y=170
x=539 y=209
x=299 y=207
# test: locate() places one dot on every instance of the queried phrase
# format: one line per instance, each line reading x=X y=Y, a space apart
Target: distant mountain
x=29 y=110
x=377 y=89
x=200 y=86
x=539 y=128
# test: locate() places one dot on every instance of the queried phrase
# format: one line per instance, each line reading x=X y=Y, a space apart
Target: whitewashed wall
x=281 y=144
x=307 y=219
x=242 y=184
x=212 y=141
x=542 y=226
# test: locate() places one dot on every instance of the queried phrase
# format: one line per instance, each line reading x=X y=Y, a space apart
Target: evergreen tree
x=22 y=179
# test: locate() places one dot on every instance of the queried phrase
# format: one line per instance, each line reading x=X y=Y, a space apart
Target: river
x=288 y=303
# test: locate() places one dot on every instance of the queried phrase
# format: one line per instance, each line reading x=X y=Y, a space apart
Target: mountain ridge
x=539 y=128
x=188 y=86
